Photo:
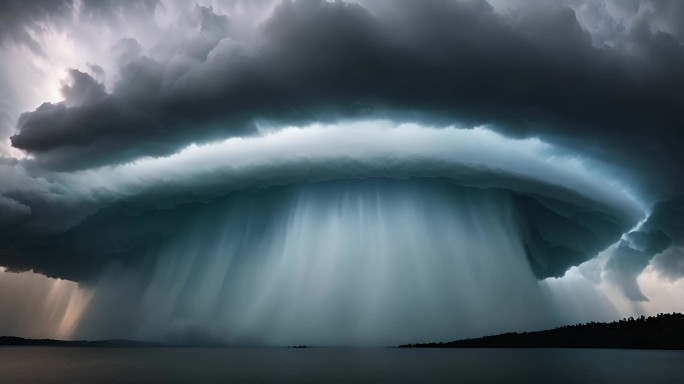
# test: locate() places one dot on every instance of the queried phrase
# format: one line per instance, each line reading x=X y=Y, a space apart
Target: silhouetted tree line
x=630 y=320
x=664 y=331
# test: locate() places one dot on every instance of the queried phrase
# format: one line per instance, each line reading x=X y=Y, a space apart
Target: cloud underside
x=556 y=235
x=87 y=222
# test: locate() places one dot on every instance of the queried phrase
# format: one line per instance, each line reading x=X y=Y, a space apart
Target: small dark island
x=665 y=331
x=115 y=343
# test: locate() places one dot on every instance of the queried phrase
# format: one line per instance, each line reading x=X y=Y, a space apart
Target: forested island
x=665 y=331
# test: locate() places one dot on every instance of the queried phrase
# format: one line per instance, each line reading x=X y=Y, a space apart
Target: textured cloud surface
x=536 y=70
x=567 y=213
x=123 y=125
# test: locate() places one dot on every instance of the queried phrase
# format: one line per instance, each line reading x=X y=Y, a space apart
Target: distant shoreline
x=115 y=343
x=662 y=332
x=665 y=331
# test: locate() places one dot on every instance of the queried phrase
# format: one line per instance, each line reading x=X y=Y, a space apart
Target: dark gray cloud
x=117 y=216
x=32 y=34
x=632 y=256
x=559 y=235
x=623 y=267
x=656 y=241
x=529 y=72
x=556 y=234
x=670 y=263
x=12 y=212
x=668 y=217
x=81 y=89
x=604 y=87
x=116 y=237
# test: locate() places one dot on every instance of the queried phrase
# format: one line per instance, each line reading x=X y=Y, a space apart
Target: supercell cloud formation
x=170 y=155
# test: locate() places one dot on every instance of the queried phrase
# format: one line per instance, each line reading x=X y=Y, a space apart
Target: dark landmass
x=116 y=343
x=665 y=331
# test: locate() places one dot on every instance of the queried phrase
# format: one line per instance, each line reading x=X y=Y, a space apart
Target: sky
x=338 y=172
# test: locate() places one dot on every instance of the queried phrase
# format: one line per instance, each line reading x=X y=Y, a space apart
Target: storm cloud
x=567 y=213
x=126 y=126
x=657 y=241
x=529 y=71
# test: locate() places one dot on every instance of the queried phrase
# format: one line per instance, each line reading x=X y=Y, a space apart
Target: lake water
x=336 y=365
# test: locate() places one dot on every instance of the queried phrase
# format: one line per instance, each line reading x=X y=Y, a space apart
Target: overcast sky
x=120 y=120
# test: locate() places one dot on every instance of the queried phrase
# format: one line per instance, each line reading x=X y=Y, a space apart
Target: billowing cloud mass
x=567 y=214
x=554 y=126
x=662 y=236
x=533 y=70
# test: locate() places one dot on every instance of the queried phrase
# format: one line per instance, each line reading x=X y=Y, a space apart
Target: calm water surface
x=336 y=365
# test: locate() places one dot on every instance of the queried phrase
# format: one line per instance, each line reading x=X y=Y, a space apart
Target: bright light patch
x=45 y=307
